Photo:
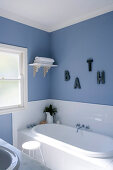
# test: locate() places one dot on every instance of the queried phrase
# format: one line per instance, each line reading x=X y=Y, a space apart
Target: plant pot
x=49 y=118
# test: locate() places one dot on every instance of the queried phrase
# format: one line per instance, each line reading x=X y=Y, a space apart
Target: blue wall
x=71 y=47
x=38 y=43
x=6 y=127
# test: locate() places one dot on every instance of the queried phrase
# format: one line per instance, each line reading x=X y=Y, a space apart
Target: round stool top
x=30 y=145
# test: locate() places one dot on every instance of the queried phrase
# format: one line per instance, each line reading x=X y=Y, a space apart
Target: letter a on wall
x=77 y=84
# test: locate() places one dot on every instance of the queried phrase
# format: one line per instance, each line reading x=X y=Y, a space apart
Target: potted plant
x=50 y=112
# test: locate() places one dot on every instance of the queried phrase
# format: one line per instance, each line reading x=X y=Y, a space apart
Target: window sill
x=13 y=109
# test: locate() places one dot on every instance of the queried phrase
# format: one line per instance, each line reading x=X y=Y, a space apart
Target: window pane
x=9 y=93
x=9 y=65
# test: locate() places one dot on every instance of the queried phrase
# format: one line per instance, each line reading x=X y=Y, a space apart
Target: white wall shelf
x=46 y=67
x=43 y=65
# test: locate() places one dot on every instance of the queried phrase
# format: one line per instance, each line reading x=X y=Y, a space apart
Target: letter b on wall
x=67 y=75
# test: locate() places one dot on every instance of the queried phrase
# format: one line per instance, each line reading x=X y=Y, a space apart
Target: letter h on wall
x=100 y=77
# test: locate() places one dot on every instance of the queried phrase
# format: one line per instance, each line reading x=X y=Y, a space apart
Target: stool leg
x=42 y=156
x=29 y=153
x=33 y=154
x=25 y=152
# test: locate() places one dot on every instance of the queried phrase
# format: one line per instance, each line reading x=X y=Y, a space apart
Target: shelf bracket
x=37 y=66
x=35 y=70
x=46 y=69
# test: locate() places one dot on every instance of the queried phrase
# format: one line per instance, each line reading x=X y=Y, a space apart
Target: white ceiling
x=50 y=15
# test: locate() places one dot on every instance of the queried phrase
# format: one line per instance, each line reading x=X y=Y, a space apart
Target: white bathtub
x=66 y=138
x=65 y=149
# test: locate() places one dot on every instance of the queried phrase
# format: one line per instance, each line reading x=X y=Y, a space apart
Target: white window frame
x=23 y=52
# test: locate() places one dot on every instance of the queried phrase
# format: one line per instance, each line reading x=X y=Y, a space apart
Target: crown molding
x=83 y=18
x=23 y=20
x=35 y=24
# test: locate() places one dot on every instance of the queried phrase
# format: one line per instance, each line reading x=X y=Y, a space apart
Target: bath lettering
x=90 y=61
x=100 y=77
x=77 y=85
x=77 y=81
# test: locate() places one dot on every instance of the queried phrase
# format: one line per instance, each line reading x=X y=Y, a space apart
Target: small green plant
x=51 y=110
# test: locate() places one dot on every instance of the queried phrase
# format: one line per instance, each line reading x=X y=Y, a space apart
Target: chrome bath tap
x=79 y=126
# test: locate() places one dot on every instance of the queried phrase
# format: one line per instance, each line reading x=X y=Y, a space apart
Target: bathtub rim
x=65 y=146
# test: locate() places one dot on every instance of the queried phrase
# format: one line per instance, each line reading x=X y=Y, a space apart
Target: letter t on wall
x=89 y=61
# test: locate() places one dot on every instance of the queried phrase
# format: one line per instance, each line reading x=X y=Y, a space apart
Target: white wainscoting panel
x=32 y=114
x=98 y=117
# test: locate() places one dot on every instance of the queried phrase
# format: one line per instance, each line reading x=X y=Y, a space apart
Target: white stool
x=32 y=147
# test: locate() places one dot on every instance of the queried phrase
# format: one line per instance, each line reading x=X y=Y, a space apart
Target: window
x=13 y=78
